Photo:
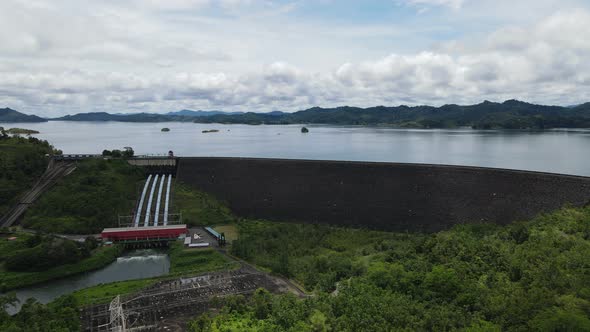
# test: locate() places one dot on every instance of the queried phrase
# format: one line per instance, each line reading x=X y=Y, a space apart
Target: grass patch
x=8 y=247
x=196 y=260
x=104 y=293
x=230 y=231
x=198 y=208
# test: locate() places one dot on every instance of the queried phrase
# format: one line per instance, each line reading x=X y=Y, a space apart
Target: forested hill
x=10 y=115
x=139 y=117
x=511 y=114
x=179 y=116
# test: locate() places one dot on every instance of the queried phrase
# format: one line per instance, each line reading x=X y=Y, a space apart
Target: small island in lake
x=304 y=130
x=21 y=131
x=165 y=129
x=210 y=131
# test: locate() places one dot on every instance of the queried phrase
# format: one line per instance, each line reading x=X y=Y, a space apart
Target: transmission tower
x=118 y=318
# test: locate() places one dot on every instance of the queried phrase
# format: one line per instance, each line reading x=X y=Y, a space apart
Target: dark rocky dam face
x=385 y=196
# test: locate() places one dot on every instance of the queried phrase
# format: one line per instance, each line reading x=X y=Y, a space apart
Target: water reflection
x=137 y=264
x=559 y=150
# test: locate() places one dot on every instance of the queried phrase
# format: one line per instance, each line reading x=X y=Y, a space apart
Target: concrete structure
x=155 y=164
x=386 y=196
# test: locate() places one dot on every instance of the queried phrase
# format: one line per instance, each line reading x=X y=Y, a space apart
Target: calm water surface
x=558 y=151
x=137 y=264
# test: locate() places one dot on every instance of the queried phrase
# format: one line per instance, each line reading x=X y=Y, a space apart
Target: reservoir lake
x=565 y=151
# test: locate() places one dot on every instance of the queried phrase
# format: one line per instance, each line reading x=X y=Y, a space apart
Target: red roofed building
x=144 y=234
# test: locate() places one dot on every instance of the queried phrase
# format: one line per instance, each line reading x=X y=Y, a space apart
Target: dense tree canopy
x=60 y=316
x=89 y=199
x=526 y=276
x=44 y=253
x=22 y=161
x=511 y=114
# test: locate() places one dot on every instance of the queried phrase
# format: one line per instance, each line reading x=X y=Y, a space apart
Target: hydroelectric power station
x=152 y=223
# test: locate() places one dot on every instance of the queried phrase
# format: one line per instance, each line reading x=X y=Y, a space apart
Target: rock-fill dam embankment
x=386 y=196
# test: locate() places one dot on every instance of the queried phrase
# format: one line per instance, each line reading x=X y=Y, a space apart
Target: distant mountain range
x=511 y=114
x=201 y=113
x=10 y=115
x=179 y=116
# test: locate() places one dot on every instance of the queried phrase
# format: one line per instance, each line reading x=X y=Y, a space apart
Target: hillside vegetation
x=27 y=259
x=10 y=115
x=511 y=114
x=199 y=208
x=88 y=200
x=22 y=162
x=60 y=315
x=527 y=276
x=21 y=131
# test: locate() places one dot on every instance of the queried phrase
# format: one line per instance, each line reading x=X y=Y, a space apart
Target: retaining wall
x=386 y=196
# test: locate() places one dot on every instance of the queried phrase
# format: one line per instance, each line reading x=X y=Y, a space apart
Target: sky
x=62 y=57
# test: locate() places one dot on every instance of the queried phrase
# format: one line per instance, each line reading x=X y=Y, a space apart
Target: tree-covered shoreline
x=27 y=259
x=511 y=114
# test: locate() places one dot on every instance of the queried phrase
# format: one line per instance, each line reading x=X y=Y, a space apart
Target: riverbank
x=21 y=131
x=183 y=262
x=99 y=258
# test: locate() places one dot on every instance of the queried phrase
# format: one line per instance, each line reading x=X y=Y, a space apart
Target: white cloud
x=109 y=57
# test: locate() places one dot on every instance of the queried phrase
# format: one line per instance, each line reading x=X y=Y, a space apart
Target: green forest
x=59 y=316
x=531 y=275
x=88 y=200
x=22 y=161
x=27 y=259
x=511 y=114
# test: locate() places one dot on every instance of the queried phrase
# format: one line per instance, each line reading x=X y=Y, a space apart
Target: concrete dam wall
x=386 y=196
